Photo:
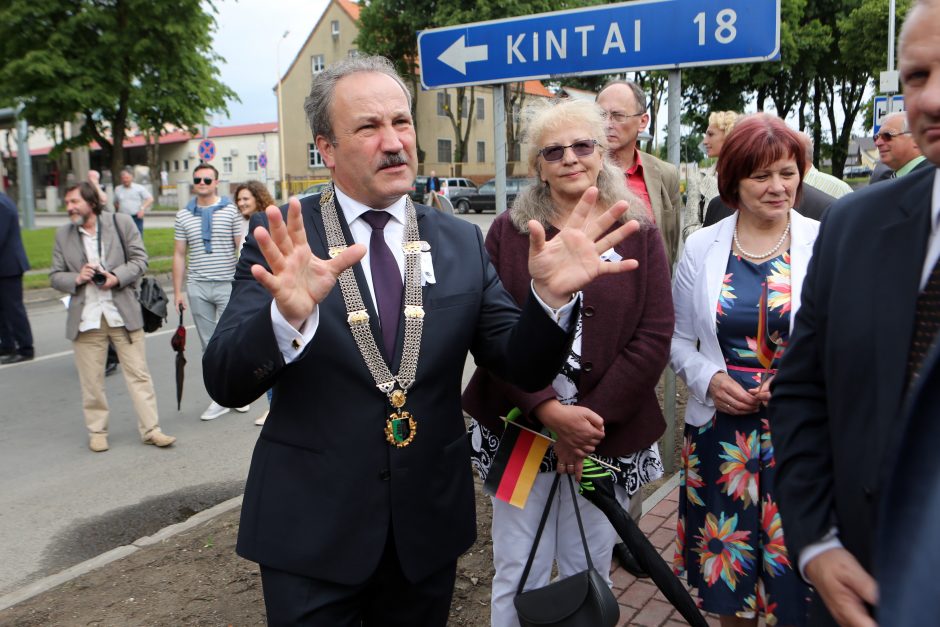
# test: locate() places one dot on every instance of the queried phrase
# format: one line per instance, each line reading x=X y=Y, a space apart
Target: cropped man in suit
x=654 y=181
x=836 y=410
x=908 y=542
x=353 y=525
x=16 y=337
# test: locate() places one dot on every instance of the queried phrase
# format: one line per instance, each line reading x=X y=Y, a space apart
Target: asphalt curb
x=47 y=583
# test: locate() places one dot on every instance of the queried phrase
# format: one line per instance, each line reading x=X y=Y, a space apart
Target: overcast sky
x=247 y=37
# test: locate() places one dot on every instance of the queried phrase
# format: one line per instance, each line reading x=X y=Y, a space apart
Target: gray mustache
x=391 y=161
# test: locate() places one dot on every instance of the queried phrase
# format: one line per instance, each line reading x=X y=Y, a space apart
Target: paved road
x=60 y=503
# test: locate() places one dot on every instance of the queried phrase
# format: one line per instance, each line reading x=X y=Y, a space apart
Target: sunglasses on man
x=580 y=148
x=205 y=180
x=619 y=116
x=887 y=136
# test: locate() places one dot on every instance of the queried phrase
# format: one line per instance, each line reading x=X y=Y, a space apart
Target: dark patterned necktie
x=926 y=324
x=386 y=280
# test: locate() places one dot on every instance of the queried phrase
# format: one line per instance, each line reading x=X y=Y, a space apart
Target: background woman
x=252 y=197
x=737 y=288
x=720 y=124
x=604 y=399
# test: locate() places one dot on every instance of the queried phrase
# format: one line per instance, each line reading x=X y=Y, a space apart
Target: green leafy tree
x=114 y=62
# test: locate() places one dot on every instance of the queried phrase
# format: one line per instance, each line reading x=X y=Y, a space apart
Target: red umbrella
x=178 y=342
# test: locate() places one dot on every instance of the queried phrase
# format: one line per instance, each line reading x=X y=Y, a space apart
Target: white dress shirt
x=97 y=302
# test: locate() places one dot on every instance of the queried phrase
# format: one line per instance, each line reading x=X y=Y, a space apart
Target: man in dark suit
x=353 y=524
x=16 y=337
x=908 y=542
x=812 y=204
x=836 y=409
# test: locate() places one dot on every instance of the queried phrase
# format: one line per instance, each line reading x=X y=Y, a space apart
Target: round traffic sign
x=263 y=160
x=206 y=150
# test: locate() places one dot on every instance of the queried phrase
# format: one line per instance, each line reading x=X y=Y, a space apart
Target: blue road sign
x=263 y=160
x=647 y=34
x=881 y=109
x=206 y=150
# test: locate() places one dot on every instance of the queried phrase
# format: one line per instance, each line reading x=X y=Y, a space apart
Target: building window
x=314 y=158
x=176 y=165
x=444 y=152
x=317 y=64
x=252 y=163
x=481 y=152
x=443 y=103
x=334 y=28
x=186 y=164
x=480 y=108
x=465 y=111
x=516 y=153
x=166 y=166
x=226 y=165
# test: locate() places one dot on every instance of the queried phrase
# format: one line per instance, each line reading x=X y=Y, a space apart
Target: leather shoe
x=628 y=562
x=110 y=368
x=98 y=442
x=158 y=438
x=15 y=358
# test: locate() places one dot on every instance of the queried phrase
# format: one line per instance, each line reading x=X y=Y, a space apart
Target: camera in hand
x=99 y=278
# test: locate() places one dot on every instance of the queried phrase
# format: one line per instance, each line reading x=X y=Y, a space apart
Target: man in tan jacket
x=98 y=262
x=654 y=181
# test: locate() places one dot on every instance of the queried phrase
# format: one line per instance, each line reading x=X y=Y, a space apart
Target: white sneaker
x=215 y=410
x=242 y=410
x=260 y=419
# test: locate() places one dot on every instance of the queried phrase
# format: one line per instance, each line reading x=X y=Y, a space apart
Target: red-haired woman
x=736 y=291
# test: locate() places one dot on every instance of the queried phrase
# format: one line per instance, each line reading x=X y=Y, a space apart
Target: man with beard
x=359 y=498
x=98 y=262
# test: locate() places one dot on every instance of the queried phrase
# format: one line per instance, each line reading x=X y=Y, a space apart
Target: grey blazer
x=68 y=257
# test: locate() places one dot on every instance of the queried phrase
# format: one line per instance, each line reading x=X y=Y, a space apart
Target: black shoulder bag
x=152 y=298
x=582 y=600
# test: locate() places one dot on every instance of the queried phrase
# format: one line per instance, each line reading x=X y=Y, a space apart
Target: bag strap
x=538 y=534
x=120 y=236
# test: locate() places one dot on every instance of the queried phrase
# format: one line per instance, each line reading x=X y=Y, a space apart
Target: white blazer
x=695 y=355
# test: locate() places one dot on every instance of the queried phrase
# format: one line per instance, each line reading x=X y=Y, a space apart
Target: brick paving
x=640 y=601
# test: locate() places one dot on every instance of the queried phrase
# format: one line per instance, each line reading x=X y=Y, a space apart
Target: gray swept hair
x=318 y=105
x=545 y=116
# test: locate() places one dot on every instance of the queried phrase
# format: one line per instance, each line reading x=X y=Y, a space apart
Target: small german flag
x=516 y=463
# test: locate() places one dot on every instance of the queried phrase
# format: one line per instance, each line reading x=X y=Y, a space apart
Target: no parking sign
x=206 y=150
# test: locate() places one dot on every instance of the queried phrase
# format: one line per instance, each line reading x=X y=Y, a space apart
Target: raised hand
x=298 y=279
x=571 y=259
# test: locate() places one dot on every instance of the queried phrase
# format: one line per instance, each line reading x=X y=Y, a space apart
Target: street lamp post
x=280 y=119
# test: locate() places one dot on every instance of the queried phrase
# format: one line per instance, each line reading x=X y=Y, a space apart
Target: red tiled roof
x=536 y=88
x=243 y=129
x=350 y=7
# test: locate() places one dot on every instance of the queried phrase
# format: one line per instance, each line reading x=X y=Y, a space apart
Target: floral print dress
x=730 y=542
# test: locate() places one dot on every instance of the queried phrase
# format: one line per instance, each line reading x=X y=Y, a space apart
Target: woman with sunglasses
x=736 y=292
x=603 y=402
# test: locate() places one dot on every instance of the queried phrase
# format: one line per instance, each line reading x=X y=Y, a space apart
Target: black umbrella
x=178 y=342
x=597 y=486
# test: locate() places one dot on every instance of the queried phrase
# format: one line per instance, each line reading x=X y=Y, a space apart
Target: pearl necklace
x=770 y=252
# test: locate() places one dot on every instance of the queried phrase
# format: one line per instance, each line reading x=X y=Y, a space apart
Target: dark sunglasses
x=580 y=149
x=887 y=136
x=205 y=180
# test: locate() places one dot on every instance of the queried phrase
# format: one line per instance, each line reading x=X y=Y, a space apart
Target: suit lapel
x=654 y=186
x=716 y=262
x=313 y=222
x=903 y=243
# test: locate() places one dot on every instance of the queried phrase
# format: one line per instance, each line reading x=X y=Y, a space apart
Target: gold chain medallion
x=400 y=429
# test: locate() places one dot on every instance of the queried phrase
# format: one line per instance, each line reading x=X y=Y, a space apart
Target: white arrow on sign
x=458 y=55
